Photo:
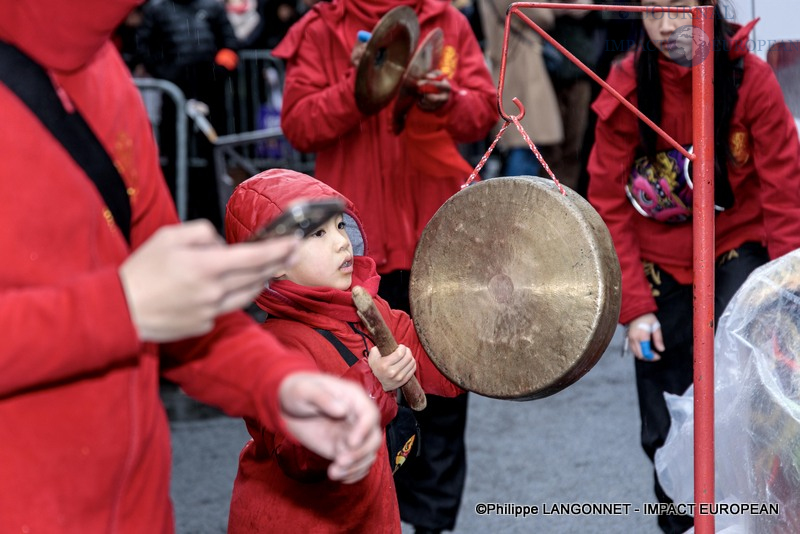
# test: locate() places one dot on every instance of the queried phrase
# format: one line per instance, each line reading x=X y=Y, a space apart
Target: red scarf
x=293 y=301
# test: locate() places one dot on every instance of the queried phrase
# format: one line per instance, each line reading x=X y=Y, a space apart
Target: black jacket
x=179 y=34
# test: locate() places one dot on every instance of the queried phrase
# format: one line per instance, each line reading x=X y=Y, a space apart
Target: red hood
x=79 y=28
x=740 y=37
x=364 y=14
x=258 y=200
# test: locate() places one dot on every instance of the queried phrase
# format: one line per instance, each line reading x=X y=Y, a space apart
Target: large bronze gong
x=515 y=288
x=383 y=65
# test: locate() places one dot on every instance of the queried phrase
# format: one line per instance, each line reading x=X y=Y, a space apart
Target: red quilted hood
x=79 y=28
x=260 y=199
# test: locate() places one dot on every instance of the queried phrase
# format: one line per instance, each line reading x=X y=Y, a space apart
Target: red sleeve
x=616 y=138
x=776 y=155
x=317 y=111
x=472 y=109
x=87 y=342
x=430 y=378
x=238 y=367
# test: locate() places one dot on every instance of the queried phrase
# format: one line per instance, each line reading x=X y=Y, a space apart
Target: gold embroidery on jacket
x=728 y=256
x=449 y=61
x=740 y=147
x=109 y=218
x=653 y=276
x=124 y=161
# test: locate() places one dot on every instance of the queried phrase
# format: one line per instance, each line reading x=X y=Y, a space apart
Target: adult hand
x=434 y=91
x=645 y=328
x=184 y=276
x=393 y=370
x=358 y=51
x=335 y=419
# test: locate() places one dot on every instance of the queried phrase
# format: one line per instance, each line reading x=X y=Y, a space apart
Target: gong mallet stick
x=385 y=342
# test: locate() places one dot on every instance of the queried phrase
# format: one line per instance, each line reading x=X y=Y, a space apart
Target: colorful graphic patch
x=662 y=189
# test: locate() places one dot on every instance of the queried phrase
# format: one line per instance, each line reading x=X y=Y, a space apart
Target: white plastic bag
x=757 y=406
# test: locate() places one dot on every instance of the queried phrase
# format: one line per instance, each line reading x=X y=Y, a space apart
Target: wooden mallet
x=385 y=342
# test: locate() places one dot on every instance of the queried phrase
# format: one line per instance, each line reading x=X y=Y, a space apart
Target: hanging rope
x=515 y=118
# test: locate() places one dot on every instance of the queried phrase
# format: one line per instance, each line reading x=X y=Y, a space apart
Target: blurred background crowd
x=218 y=54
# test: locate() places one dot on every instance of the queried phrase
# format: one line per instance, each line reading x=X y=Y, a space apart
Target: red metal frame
x=702 y=226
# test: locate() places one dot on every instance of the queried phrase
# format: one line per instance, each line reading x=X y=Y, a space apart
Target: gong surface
x=515 y=288
x=426 y=58
x=383 y=65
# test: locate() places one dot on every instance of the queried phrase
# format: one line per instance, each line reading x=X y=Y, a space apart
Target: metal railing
x=255 y=141
x=158 y=88
x=253 y=100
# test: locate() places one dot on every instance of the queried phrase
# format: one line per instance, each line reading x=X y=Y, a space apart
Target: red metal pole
x=514 y=9
x=703 y=226
x=703 y=230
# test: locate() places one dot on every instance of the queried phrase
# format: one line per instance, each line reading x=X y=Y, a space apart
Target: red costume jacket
x=281 y=486
x=763 y=176
x=398 y=182
x=85 y=440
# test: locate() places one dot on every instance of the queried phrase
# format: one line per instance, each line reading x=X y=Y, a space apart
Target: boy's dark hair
x=726 y=93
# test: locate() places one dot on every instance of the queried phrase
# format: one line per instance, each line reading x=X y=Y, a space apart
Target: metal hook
x=501 y=80
x=521 y=108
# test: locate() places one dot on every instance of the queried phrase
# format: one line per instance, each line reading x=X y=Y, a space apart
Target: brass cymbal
x=515 y=288
x=425 y=59
x=384 y=62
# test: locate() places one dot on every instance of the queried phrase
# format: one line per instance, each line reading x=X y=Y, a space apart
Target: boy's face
x=324 y=259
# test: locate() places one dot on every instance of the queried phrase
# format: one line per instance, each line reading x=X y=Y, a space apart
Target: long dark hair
x=650 y=94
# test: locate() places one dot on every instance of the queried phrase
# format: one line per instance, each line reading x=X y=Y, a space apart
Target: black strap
x=29 y=81
x=344 y=352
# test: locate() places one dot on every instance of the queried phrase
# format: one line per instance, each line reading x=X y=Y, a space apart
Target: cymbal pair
x=392 y=64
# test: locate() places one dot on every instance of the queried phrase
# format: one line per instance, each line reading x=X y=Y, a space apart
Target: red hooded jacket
x=281 y=486
x=763 y=176
x=397 y=181
x=85 y=440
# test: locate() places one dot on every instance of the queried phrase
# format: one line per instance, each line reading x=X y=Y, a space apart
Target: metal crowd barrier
x=225 y=151
x=253 y=101
x=152 y=90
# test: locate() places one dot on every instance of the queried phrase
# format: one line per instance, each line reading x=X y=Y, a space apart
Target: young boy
x=281 y=485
